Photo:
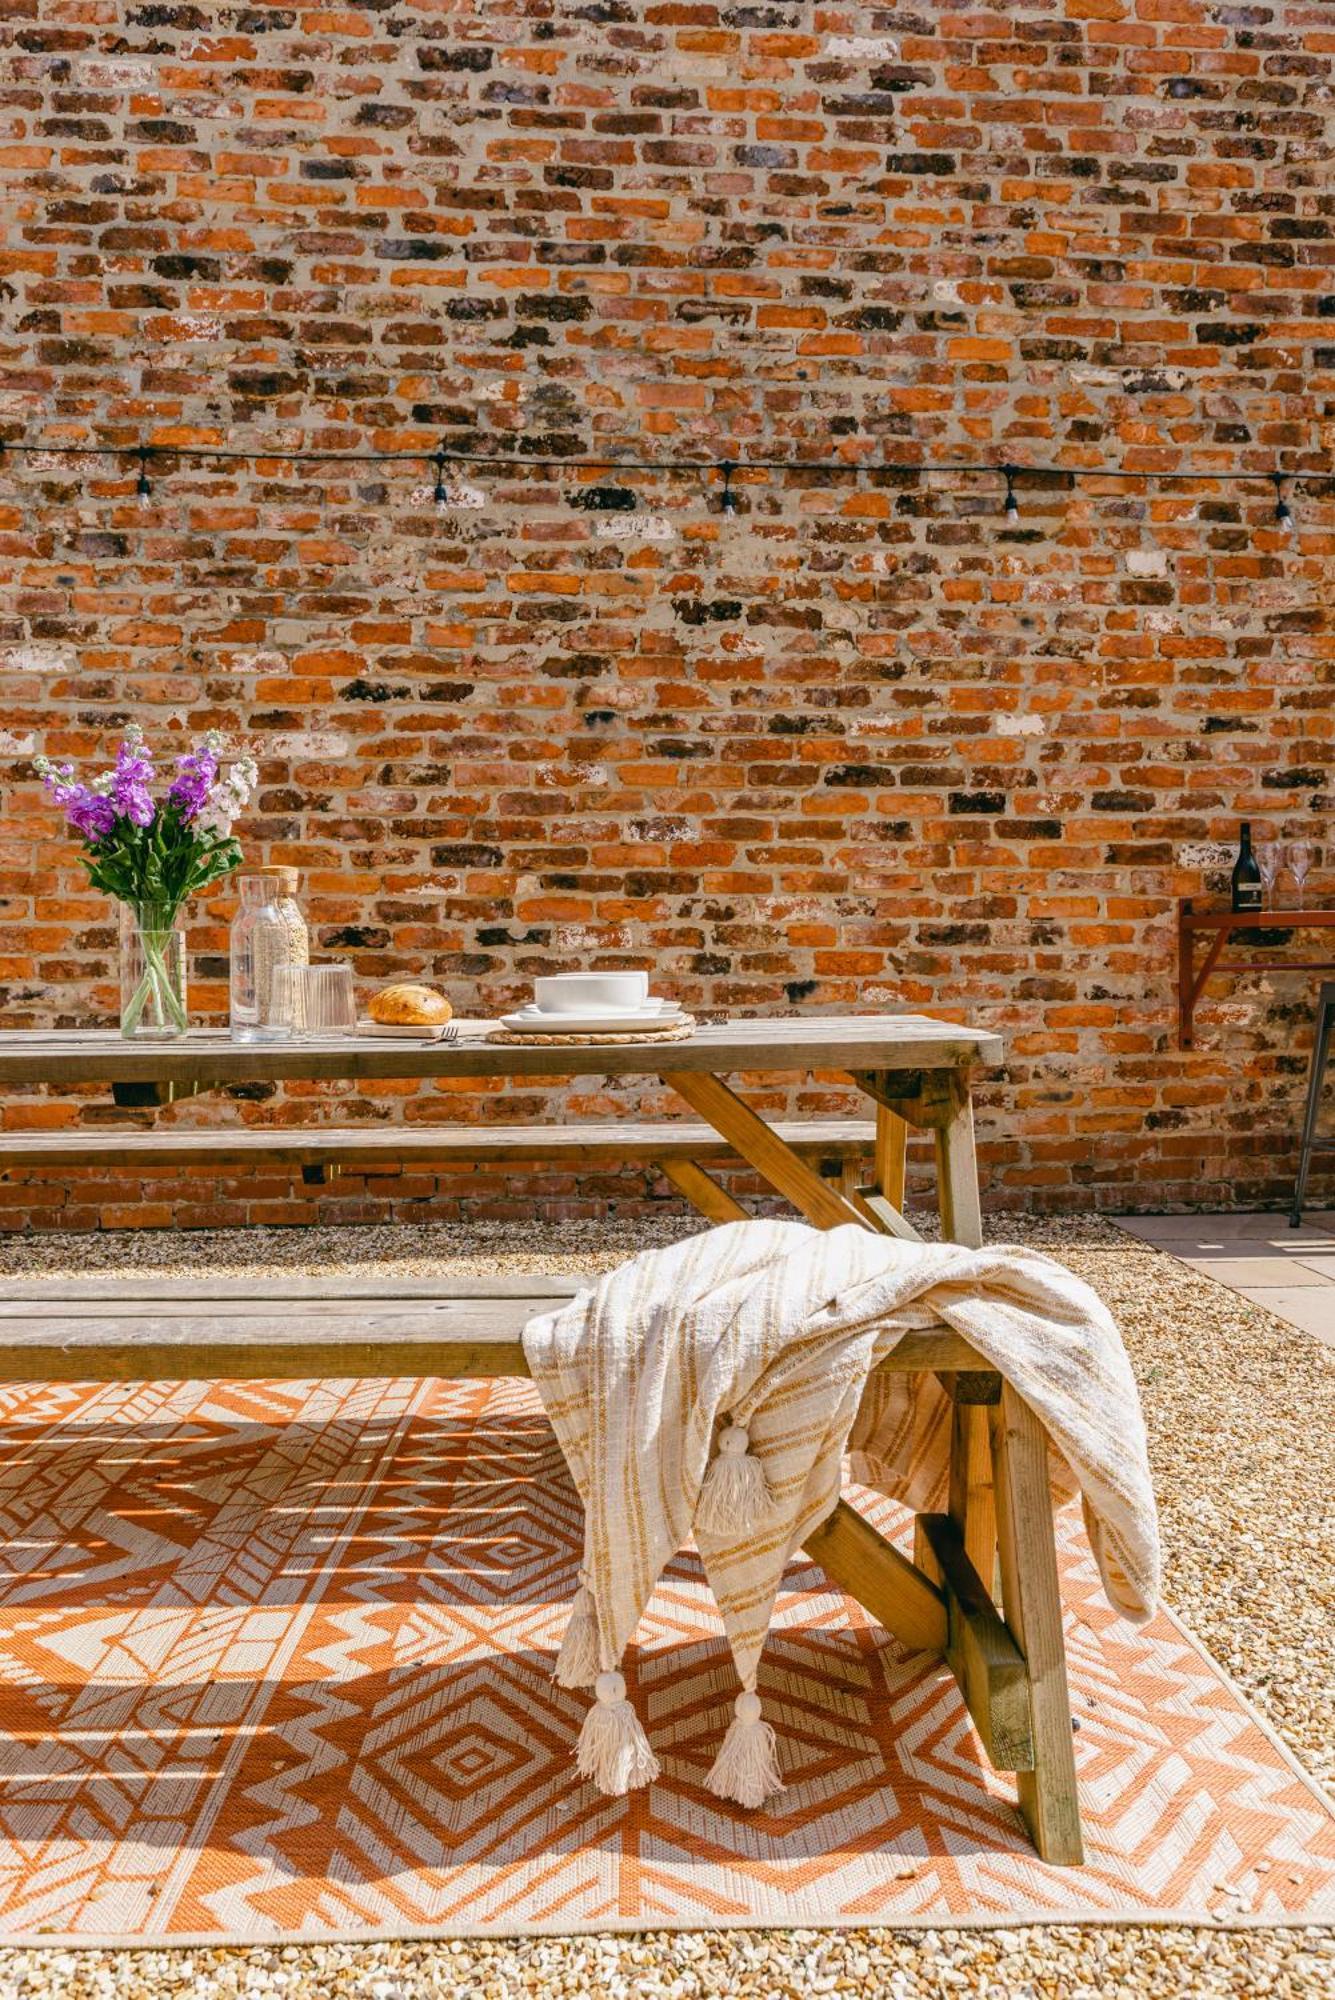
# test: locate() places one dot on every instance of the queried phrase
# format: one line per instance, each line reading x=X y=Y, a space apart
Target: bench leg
x=897 y=1592
x=1031 y=1600
x=972 y=1504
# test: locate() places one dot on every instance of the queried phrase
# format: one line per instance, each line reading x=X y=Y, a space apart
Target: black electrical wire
x=530 y=462
x=724 y=468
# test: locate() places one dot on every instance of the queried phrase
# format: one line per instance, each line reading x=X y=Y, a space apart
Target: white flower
x=216 y=815
x=230 y=794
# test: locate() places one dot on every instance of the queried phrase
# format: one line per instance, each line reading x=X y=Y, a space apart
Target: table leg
x=703 y=1192
x=892 y=1136
x=873 y=1572
x=762 y=1148
x=957 y=1175
x=937 y=1101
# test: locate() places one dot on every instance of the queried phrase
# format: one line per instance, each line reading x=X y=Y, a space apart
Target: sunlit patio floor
x=1291 y=1272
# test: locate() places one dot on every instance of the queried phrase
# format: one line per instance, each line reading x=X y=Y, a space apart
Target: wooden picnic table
x=916 y=1072
x=1009 y=1660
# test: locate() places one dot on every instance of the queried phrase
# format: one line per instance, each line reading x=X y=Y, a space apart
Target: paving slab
x=1258 y=1274
x=1223 y=1232
x=1311 y=1308
x=1291 y=1272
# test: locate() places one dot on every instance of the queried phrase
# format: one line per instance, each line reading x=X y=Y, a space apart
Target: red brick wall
x=863 y=743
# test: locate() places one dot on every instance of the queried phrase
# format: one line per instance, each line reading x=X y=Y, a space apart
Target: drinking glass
x=1300 y=860
x=287 y=999
x=1269 y=854
x=318 y=1000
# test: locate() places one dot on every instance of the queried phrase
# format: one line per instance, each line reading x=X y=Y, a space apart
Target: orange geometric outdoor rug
x=276 y=1662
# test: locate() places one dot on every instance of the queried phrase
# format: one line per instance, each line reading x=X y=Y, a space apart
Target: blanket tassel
x=577 y=1661
x=747 y=1766
x=613 y=1749
x=735 y=1495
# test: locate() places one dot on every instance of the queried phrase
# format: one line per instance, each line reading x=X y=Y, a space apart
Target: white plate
x=652 y=1010
x=531 y=1022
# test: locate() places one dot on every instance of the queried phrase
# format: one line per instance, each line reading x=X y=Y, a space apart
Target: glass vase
x=152 y=973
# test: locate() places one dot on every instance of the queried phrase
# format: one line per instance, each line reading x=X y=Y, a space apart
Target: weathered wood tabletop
x=208 y=1055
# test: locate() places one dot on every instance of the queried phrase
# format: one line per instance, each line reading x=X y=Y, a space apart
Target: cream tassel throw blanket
x=713 y=1388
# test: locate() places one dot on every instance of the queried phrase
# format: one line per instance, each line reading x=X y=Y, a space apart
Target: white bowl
x=591 y=992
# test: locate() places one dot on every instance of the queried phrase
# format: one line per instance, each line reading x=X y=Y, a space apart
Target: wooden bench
x=1011 y=1669
x=835 y=1147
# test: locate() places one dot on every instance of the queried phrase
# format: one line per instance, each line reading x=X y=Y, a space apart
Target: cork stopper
x=282 y=878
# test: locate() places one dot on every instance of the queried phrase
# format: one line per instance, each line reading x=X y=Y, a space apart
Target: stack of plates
x=531 y=1020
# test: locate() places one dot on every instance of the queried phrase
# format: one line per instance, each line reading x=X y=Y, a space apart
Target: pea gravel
x=1241 y=1414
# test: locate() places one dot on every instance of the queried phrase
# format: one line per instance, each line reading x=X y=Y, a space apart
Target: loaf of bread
x=407 y=1004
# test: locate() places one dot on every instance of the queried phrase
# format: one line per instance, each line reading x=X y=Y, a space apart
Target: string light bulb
x=728 y=503
x=1283 y=512
x=1012 y=509
x=143 y=490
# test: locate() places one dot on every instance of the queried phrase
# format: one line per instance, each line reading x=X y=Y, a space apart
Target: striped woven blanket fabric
x=712 y=1390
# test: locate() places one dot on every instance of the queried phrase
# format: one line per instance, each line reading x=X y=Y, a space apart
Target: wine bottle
x=1246 y=874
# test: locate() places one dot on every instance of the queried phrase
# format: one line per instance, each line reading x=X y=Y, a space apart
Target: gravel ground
x=1241 y=1412
x=1064 y=1962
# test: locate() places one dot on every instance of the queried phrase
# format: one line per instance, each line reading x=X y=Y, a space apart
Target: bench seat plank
x=196 y=1351
x=384 y=1146
x=198 y=1339
x=131 y=1288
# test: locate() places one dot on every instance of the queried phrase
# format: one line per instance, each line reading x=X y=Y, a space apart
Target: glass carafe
x=268 y=931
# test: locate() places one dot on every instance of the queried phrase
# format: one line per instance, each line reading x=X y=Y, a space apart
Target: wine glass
x=1269 y=855
x=1300 y=860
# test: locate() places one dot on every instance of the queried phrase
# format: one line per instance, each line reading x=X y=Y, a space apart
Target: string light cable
x=724 y=469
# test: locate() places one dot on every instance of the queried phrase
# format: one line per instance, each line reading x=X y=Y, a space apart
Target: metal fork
x=450 y=1032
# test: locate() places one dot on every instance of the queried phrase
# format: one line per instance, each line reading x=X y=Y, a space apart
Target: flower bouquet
x=152 y=855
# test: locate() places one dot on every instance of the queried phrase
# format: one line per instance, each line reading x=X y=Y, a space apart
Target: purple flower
x=90 y=813
x=194 y=781
x=133 y=776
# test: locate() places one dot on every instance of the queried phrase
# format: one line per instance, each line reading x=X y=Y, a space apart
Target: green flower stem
x=156 y=990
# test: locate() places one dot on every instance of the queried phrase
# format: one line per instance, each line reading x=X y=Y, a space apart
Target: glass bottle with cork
x=268 y=934
x=1246 y=879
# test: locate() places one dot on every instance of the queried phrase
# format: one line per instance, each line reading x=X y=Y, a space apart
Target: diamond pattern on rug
x=277 y=1662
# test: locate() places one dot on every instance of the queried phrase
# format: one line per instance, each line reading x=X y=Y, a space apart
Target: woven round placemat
x=680 y=1031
